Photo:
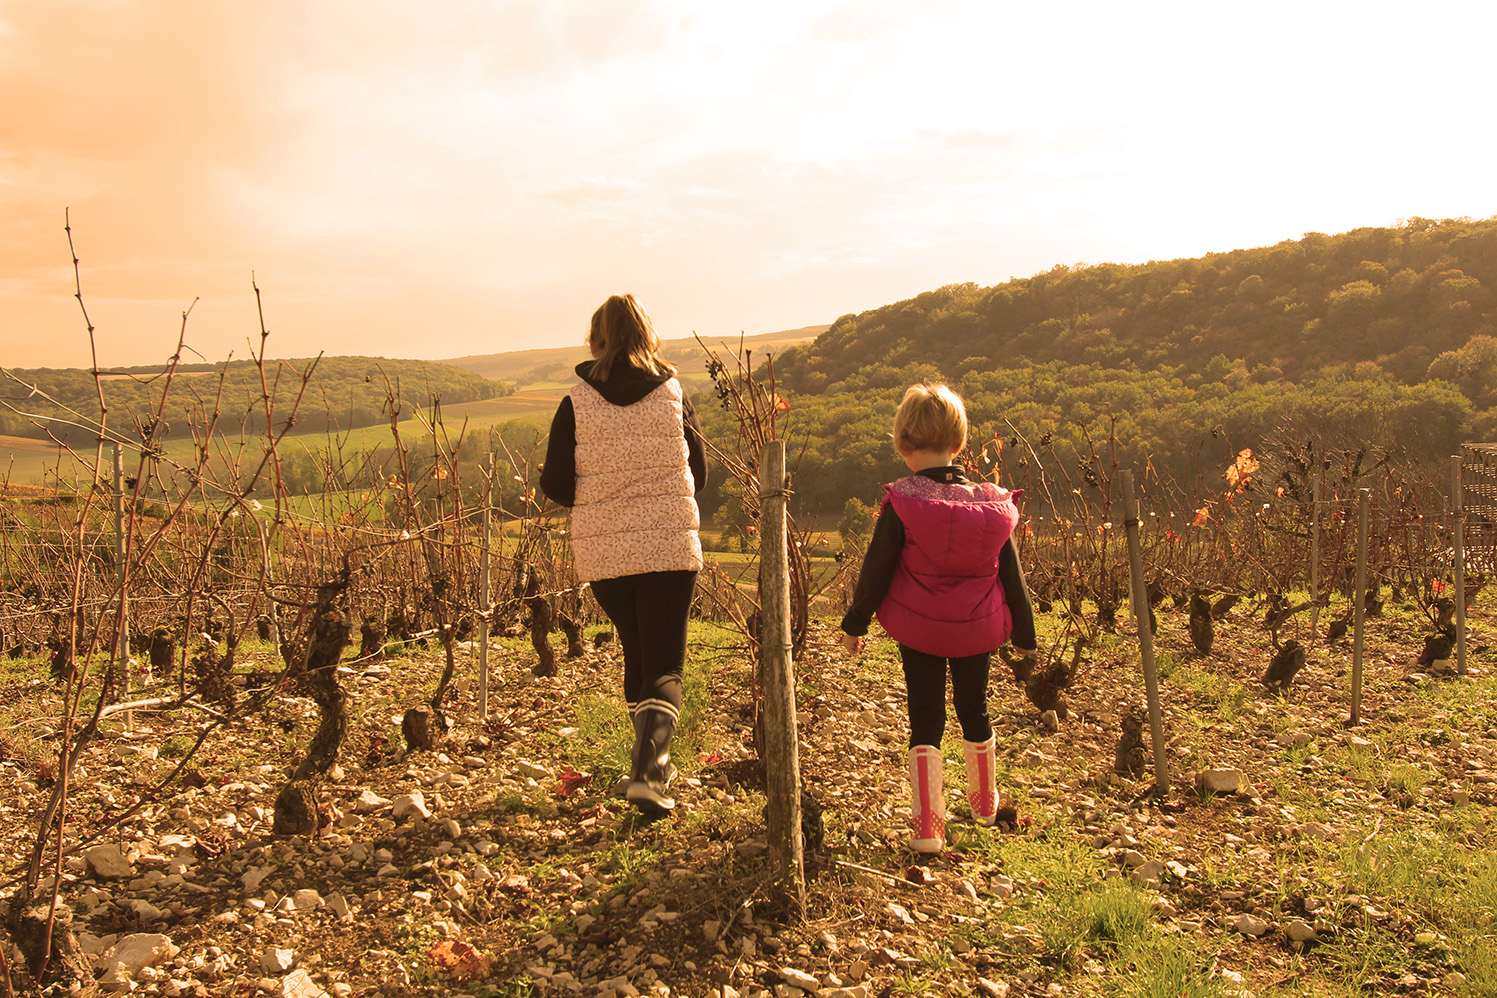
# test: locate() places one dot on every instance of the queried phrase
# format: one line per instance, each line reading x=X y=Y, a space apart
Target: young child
x=626 y=453
x=943 y=575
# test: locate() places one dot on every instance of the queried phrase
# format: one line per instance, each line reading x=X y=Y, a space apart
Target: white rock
x=277 y=961
x=132 y=954
x=299 y=984
x=306 y=900
x=177 y=845
x=1148 y=873
x=146 y=911
x=1299 y=931
x=451 y=829
x=996 y=989
x=1250 y=925
x=410 y=804
x=799 y=979
x=338 y=905
x=1219 y=781
x=369 y=801
x=95 y=946
x=251 y=878
x=108 y=863
x=533 y=771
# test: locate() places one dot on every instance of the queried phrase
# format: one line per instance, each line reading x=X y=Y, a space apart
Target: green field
x=24 y=461
x=544 y=377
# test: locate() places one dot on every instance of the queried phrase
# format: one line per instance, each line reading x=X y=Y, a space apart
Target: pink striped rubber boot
x=927 y=809
x=982 y=780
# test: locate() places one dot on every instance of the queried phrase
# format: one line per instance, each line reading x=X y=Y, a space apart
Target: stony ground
x=507 y=864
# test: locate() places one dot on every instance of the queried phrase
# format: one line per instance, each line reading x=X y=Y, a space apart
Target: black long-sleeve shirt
x=882 y=559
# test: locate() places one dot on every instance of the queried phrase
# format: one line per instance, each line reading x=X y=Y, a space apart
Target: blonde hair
x=930 y=417
x=621 y=330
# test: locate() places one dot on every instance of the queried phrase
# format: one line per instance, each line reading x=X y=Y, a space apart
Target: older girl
x=626 y=453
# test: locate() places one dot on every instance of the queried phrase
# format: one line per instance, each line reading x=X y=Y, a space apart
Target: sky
x=455 y=177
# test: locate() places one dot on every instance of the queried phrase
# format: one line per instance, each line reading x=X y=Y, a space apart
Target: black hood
x=626 y=384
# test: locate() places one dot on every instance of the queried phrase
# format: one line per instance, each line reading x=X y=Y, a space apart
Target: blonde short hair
x=624 y=334
x=930 y=417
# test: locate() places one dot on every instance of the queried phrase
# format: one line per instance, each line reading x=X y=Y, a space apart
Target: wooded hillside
x=1380 y=339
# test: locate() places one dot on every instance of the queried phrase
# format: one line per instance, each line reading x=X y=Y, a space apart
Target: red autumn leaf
x=571 y=780
x=919 y=875
x=713 y=759
x=460 y=959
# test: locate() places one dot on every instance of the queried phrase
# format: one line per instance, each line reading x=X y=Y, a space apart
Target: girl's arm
x=696 y=446
x=879 y=563
x=1016 y=595
x=559 y=473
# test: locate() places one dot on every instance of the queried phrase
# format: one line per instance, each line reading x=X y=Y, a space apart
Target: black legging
x=649 y=612
x=925 y=685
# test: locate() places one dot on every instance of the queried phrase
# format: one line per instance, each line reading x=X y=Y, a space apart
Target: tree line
x=1379 y=339
x=343 y=393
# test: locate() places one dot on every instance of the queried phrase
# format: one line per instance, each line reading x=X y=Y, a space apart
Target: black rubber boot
x=651 y=770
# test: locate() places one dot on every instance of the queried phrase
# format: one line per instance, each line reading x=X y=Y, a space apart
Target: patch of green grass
x=1443 y=885
x=176 y=746
x=1168 y=968
x=915 y=985
x=1208 y=691
x=627 y=860
x=23 y=669
x=878 y=664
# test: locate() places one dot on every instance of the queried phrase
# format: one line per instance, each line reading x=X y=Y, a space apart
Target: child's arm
x=879 y=563
x=559 y=475
x=696 y=445
x=1016 y=595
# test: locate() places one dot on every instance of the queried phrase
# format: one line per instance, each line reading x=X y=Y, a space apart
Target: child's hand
x=852 y=644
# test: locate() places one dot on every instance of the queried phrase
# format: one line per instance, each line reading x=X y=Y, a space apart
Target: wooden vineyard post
x=781 y=741
x=485 y=603
x=1458 y=561
x=122 y=640
x=1315 y=553
x=1360 y=604
x=1140 y=603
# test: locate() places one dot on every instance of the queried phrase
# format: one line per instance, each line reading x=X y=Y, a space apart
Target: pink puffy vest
x=945 y=598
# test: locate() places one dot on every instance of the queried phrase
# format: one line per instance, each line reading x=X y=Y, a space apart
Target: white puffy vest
x=635 y=509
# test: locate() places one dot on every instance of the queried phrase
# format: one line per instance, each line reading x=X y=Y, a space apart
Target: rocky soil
x=508 y=864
